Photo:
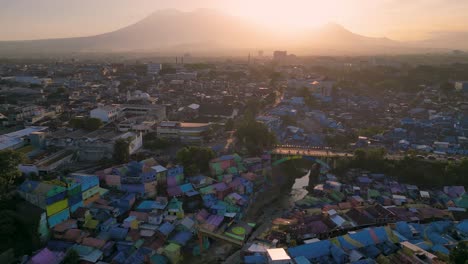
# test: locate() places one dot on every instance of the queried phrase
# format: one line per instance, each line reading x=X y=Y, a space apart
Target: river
x=299 y=188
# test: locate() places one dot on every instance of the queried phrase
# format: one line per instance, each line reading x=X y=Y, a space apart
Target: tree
x=360 y=154
x=167 y=69
x=459 y=255
x=72 y=257
x=274 y=78
x=304 y=92
x=92 y=124
x=229 y=125
x=152 y=142
x=309 y=100
x=255 y=136
x=122 y=151
x=370 y=131
x=76 y=122
x=195 y=159
x=252 y=108
x=9 y=161
x=288 y=120
x=18 y=228
x=447 y=87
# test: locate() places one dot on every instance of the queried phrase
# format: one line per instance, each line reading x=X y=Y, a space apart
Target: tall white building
x=154 y=68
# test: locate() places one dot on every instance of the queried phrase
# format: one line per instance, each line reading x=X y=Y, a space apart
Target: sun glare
x=292 y=15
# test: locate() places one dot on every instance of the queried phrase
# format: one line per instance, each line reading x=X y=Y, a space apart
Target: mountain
x=165 y=31
x=208 y=32
x=444 y=40
x=334 y=38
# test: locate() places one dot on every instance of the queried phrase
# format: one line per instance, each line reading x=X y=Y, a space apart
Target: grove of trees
x=90 y=124
x=410 y=169
x=254 y=136
x=9 y=161
x=195 y=159
x=152 y=142
x=121 y=151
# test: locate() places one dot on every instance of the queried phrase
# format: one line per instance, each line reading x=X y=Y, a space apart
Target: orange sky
x=396 y=19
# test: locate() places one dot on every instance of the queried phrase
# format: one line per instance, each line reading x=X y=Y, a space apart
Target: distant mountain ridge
x=209 y=32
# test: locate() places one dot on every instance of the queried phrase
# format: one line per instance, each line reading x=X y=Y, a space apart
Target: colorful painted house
x=172 y=252
x=90 y=190
x=175 y=176
x=46 y=256
x=50 y=197
x=141 y=178
x=221 y=165
x=175 y=208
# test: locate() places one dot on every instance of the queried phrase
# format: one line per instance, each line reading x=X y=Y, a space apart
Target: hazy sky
x=397 y=19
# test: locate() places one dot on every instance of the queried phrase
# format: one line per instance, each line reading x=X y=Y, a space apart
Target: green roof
x=462 y=201
x=373 y=193
x=172 y=247
x=174 y=204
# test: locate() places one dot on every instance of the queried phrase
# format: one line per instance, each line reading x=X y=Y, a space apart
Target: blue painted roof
x=301 y=260
x=255 y=259
x=463 y=226
x=166 y=228
x=28 y=186
x=311 y=251
x=370 y=251
x=441 y=249
x=138 y=257
x=118 y=233
x=58 y=245
x=119 y=258
x=124 y=246
x=181 y=238
x=186 y=187
x=158 y=259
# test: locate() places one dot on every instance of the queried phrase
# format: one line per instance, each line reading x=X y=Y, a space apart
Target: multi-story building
x=137 y=126
x=154 y=68
x=110 y=113
x=193 y=132
x=168 y=130
x=94 y=145
x=20 y=138
x=157 y=112
x=461 y=86
x=59 y=198
x=280 y=55
x=185 y=132
x=106 y=113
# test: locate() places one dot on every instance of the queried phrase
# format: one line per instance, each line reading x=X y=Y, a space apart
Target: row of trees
x=87 y=123
x=410 y=169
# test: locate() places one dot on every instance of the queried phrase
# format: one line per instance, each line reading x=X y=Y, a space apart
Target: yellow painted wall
x=90 y=192
x=134 y=224
x=56 y=207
